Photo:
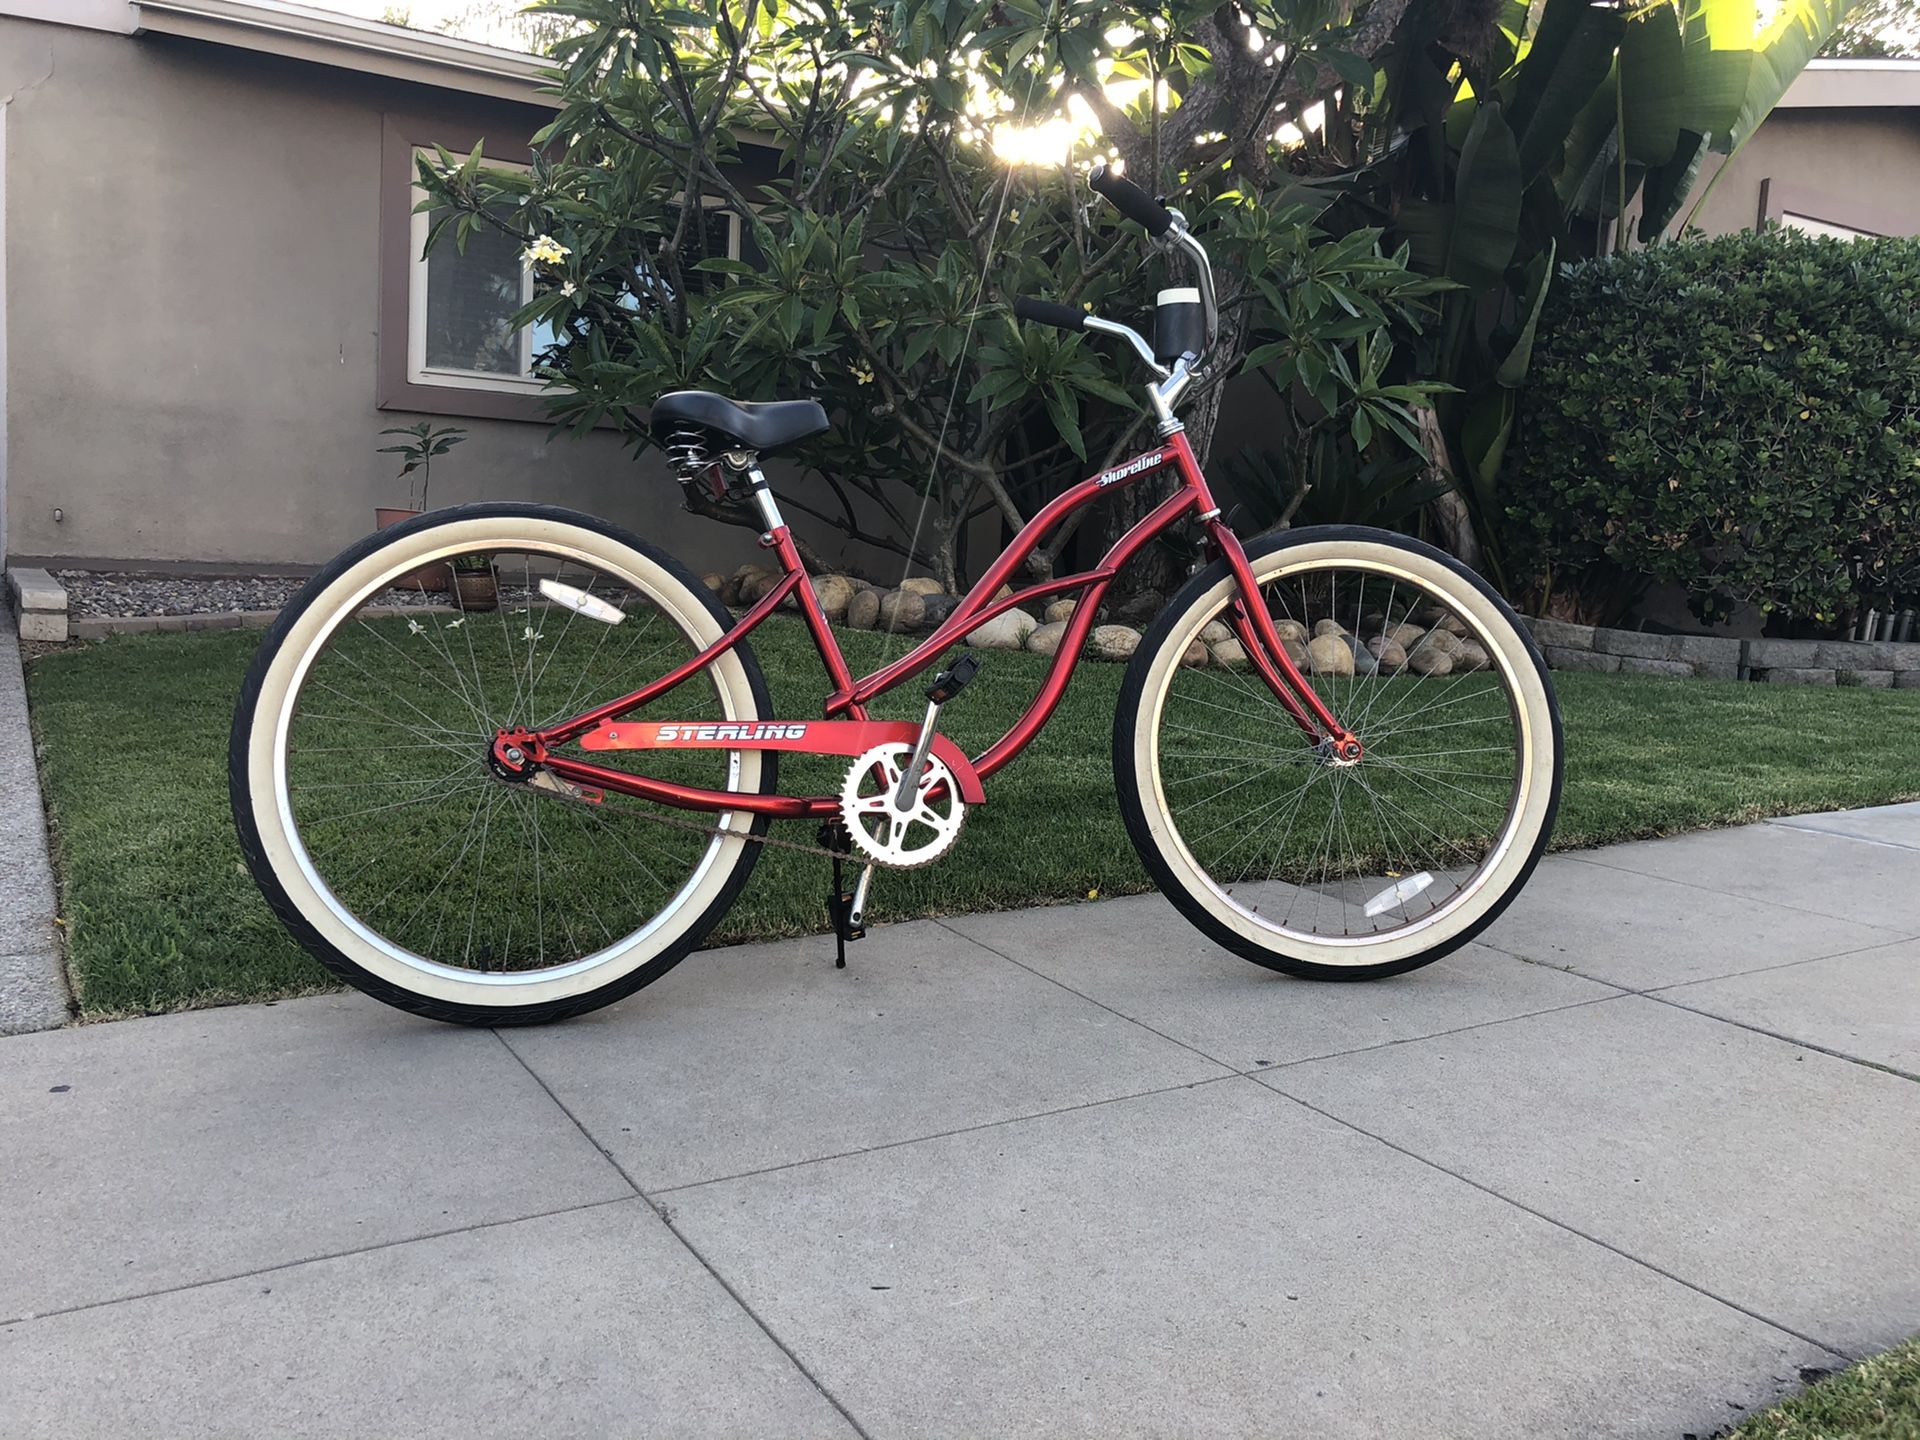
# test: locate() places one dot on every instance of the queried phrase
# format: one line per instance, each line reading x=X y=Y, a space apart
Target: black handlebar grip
x=1048 y=312
x=1130 y=200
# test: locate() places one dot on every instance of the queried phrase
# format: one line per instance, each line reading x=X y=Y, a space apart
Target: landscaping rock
x=835 y=593
x=1428 y=661
x=922 y=585
x=1297 y=653
x=1328 y=627
x=1059 y=610
x=714 y=581
x=863 y=610
x=1141 y=608
x=1795 y=675
x=747 y=578
x=1045 y=639
x=936 y=608
x=1213 y=632
x=1444 y=641
x=1329 y=655
x=1197 y=653
x=1391 y=655
x=1363 y=659
x=1405 y=636
x=1291 y=630
x=1003 y=632
x=902 y=610
x=1229 y=654
x=1469 y=656
x=1113 y=642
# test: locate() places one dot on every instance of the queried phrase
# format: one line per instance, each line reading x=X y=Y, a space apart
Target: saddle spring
x=686 y=447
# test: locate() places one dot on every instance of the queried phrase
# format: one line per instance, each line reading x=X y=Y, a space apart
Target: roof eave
x=275 y=27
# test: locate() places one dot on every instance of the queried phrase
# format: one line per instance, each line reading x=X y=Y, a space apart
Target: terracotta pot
x=428 y=578
x=477 y=589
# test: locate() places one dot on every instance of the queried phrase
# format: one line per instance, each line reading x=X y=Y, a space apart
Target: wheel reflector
x=1398 y=893
x=591 y=606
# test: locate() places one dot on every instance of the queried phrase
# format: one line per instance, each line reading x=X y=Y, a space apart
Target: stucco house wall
x=193 y=295
x=1854 y=167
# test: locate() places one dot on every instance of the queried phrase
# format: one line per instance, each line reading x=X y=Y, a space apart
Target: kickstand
x=841 y=904
x=845 y=908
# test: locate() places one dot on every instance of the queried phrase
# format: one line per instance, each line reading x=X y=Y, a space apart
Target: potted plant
x=475 y=586
x=423 y=442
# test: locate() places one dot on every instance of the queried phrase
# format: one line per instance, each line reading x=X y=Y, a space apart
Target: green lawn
x=161 y=914
x=1878 y=1399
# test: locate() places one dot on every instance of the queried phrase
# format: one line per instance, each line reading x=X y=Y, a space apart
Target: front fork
x=1254 y=628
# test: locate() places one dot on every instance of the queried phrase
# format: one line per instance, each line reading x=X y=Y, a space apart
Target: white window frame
x=418 y=371
x=421 y=373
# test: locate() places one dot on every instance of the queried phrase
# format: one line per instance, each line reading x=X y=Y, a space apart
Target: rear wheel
x=391 y=849
x=1286 y=854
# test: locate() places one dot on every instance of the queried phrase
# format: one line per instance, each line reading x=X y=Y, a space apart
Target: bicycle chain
x=711 y=830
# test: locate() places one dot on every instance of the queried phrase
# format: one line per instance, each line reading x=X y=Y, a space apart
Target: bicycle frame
x=602 y=727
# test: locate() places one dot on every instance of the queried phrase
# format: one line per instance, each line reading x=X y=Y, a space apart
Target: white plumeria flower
x=568 y=288
x=414 y=627
x=456 y=624
x=530 y=634
x=545 y=251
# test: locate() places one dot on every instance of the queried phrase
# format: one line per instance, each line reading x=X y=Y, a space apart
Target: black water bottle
x=1179 y=325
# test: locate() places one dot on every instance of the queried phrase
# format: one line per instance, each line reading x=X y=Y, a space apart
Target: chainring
x=886 y=835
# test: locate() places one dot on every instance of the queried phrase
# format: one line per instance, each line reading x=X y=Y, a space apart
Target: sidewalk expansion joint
x=1792 y=1040
x=1573 y=1230
x=1585 y=857
x=882 y=1148
x=1618 y=990
x=7 y=1322
x=666 y=1219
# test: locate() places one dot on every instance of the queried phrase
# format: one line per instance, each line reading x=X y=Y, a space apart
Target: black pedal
x=951 y=681
x=840 y=911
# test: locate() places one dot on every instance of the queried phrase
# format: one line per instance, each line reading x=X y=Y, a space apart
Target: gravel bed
x=93 y=594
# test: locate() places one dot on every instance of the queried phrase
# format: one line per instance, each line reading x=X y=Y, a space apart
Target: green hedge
x=1739 y=415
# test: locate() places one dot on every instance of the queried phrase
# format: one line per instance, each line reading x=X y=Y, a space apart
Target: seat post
x=763 y=497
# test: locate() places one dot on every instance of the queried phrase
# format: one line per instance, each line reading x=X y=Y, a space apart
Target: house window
x=460 y=308
x=718 y=238
x=1813 y=225
x=461 y=302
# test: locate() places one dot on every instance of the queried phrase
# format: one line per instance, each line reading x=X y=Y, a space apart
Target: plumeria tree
x=897 y=173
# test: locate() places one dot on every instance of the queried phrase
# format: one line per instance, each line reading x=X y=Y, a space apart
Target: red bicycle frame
x=605 y=727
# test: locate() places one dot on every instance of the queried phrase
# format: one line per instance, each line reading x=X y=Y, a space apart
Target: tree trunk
x=1449 y=513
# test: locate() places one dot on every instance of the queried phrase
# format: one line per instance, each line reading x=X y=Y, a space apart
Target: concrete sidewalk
x=1634 y=1166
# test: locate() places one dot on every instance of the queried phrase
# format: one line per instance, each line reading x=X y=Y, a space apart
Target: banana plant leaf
x=1668 y=185
x=1571 y=54
x=1652 y=78
x=1486 y=210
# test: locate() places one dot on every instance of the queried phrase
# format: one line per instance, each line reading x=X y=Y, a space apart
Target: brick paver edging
x=1878 y=664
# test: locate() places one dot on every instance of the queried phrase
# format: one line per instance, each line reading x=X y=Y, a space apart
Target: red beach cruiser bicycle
x=1336 y=751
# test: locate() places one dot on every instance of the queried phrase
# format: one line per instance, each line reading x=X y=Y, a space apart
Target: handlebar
x=1048 y=312
x=1175 y=371
x=1130 y=200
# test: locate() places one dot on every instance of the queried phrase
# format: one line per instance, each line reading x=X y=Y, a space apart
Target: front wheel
x=1285 y=853
x=383 y=838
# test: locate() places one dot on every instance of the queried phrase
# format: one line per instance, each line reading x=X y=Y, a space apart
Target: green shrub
x=1738 y=415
